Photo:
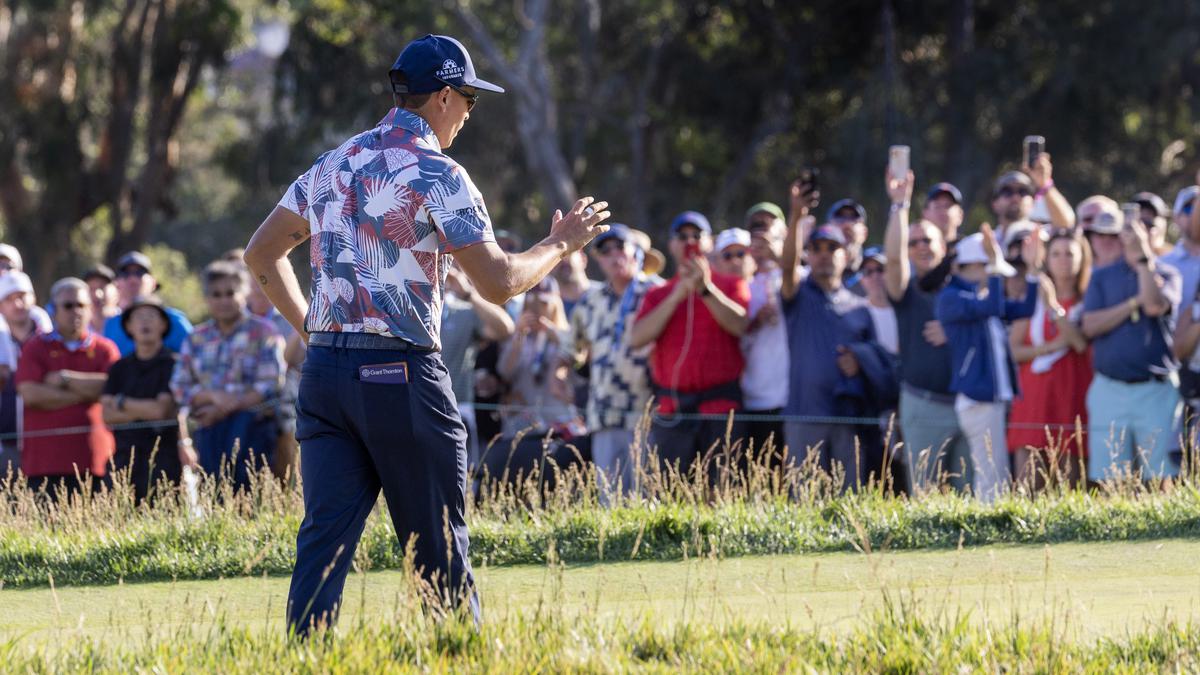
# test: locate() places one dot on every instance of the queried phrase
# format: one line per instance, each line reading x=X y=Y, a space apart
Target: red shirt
x=711 y=357
x=62 y=455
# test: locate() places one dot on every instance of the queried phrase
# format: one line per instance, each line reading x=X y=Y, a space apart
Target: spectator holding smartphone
x=1129 y=313
x=837 y=370
x=695 y=322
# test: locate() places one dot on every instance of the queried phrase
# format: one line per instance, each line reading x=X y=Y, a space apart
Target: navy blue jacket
x=964 y=317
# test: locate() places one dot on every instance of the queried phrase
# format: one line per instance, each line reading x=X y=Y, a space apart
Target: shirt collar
x=83 y=342
x=412 y=122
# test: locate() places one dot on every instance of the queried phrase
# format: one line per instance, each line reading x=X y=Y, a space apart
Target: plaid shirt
x=384 y=209
x=248 y=359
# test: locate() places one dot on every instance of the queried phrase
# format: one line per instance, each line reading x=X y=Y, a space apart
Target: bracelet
x=1045 y=188
x=900 y=206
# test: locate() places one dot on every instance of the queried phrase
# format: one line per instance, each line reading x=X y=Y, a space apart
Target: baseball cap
x=1153 y=201
x=1014 y=178
x=100 y=270
x=546 y=285
x=13 y=282
x=618 y=231
x=875 y=253
x=694 y=218
x=14 y=256
x=734 y=236
x=1185 y=196
x=764 y=207
x=432 y=62
x=145 y=301
x=846 y=203
x=135 y=258
x=1109 y=220
x=970 y=250
x=828 y=233
x=945 y=189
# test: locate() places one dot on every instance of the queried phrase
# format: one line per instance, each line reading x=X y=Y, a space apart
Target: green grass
x=1064 y=608
x=104 y=542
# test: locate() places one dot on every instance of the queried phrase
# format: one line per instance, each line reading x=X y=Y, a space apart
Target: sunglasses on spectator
x=72 y=306
x=1186 y=209
x=610 y=247
x=1012 y=192
x=913 y=243
x=688 y=236
x=730 y=255
x=872 y=271
x=5 y=265
x=131 y=272
x=216 y=295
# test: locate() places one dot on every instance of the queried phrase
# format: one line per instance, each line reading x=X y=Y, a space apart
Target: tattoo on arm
x=262 y=279
x=299 y=236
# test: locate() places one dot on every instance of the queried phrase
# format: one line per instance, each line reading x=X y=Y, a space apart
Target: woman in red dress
x=1046 y=430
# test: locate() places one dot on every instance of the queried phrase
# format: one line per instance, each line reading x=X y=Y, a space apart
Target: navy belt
x=364 y=341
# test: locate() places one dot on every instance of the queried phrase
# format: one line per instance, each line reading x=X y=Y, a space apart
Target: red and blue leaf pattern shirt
x=383 y=210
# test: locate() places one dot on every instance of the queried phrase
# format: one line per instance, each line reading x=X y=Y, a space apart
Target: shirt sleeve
x=116 y=379
x=31 y=367
x=1093 y=297
x=295 y=198
x=183 y=379
x=460 y=216
x=268 y=377
x=1172 y=289
x=652 y=299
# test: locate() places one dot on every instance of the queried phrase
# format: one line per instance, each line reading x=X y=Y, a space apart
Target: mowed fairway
x=1098 y=589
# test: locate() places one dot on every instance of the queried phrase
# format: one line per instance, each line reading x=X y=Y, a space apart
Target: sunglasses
x=610 y=247
x=730 y=255
x=472 y=99
x=1186 y=209
x=872 y=271
x=688 y=236
x=217 y=295
x=72 y=306
x=913 y=243
x=135 y=272
x=1012 y=192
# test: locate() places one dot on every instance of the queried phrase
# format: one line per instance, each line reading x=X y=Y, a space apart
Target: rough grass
x=898 y=638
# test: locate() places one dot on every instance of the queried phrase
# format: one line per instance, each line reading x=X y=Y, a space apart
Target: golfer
x=375 y=408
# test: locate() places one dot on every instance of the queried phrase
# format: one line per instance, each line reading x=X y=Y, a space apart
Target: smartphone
x=1132 y=212
x=810 y=176
x=898 y=160
x=692 y=249
x=1033 y=147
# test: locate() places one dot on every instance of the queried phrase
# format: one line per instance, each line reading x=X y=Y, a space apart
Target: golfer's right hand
x=577 y=227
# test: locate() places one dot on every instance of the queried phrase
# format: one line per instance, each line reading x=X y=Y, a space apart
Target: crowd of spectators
x=1058 y=344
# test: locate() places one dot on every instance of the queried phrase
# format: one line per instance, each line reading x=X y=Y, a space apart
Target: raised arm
x=499 y=276
x=1062 y=216
x=896 y=275
x=802 y=199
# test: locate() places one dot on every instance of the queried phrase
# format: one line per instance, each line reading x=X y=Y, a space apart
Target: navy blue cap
x=691 y=218
x=945 y=189
x=844 y=203
x=828 y=233
x=618 y=231
x=434 y=61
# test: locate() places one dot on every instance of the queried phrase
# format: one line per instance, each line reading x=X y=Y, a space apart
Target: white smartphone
x=898 y=160
x=1132 y=212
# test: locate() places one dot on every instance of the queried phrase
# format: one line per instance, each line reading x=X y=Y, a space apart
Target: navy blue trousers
x=359 y=437
x=252 y=435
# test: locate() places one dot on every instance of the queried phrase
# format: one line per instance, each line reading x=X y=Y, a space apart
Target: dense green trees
x=656 y=106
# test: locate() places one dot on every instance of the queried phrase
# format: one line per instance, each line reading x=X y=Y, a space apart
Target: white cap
x=9 y=251
x=731 y=237
x=970 y=250
x=14 y=282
